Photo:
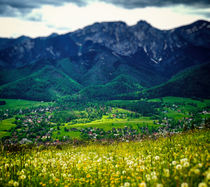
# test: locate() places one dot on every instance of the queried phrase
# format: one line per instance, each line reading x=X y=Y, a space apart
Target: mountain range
x=108 y=60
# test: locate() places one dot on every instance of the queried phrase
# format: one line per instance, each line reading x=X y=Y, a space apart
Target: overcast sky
x=42 y=17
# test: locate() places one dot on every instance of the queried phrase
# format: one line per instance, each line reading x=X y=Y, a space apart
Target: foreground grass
x=181 y=160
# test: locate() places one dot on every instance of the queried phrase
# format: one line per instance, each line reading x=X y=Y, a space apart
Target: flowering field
x=180 y=160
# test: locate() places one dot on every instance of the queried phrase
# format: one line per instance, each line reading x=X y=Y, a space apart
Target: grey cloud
x=35 y=17
x=158 y=3
x=203 y=13
x=206 y=14
x=6 y=10
x=11 y=8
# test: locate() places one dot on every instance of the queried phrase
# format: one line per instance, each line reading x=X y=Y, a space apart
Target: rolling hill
x=46 y=84
x=123 y=84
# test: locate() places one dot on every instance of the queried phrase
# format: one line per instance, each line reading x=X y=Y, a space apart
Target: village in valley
x=53 y=123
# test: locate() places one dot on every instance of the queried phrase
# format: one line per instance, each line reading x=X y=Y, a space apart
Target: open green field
x=107 y=124
x=176 y=115
x=6 y=125
x=122 y=101
x=21 y=104
x=62 y=133
x=3 y=134
x=182 y=107
x=180 y=160
x=187 y=103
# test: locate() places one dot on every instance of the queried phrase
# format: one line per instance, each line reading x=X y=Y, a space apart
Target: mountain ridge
x=98 y=54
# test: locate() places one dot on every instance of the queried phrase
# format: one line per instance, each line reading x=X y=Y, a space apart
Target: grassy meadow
x=21 y=104
x=180 y=160
x=5 y=126
x=107 y=125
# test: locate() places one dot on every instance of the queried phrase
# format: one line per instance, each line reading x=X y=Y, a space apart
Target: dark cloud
x=34 y=17
x=203 y=13
x=11 y=8
x=206 y=14
x=158 y=3
x=10 y=11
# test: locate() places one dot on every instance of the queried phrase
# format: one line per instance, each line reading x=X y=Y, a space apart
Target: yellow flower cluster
x=182 y=160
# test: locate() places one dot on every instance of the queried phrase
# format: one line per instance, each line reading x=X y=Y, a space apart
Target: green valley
x=97 y=120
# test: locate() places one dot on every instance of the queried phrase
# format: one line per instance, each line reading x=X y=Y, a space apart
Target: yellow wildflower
x=142 y=184
x=202 y=184
x=184 y=184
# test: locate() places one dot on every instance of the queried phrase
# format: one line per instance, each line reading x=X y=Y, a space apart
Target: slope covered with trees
x=193 y=82
x=46 y=84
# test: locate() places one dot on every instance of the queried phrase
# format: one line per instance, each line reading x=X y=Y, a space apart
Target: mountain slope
x=8 y=75
x=193 y=82
x=119 y=85
x=46 y=84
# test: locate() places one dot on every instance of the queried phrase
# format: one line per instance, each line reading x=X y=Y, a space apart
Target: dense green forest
x=193 y=82
x=50 y=84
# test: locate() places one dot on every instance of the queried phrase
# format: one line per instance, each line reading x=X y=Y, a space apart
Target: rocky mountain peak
x=143 y=23
x=160 y=46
